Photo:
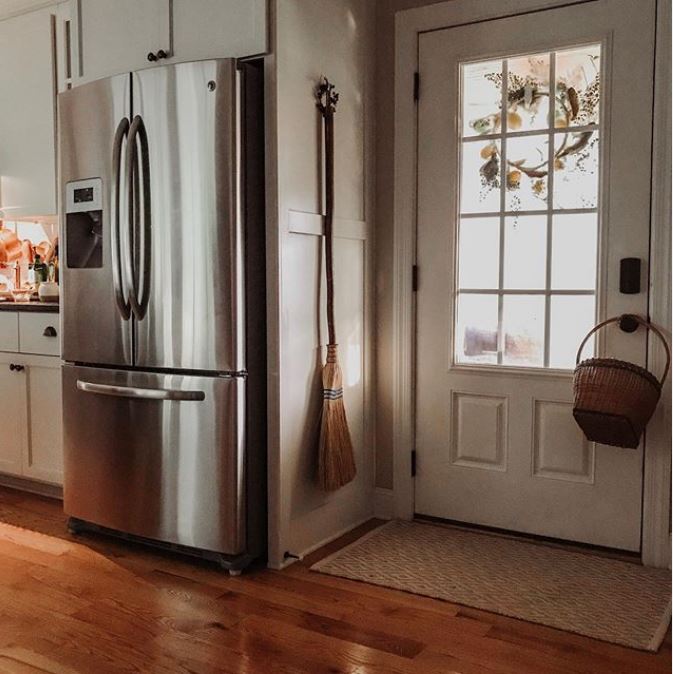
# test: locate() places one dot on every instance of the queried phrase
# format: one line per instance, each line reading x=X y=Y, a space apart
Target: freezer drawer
x=156 y=455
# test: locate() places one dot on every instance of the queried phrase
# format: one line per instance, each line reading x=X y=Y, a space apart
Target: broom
x=336 y=462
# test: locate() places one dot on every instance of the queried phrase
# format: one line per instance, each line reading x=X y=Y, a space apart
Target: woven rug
x=603 y=598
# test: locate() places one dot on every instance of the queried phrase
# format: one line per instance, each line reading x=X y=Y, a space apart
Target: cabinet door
x=116 y=37
x=27 y=116
x=219 y=28
x=43 y=458
x=14 y=422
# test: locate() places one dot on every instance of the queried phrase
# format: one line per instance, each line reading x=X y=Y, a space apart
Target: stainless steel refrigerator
x=163 y=307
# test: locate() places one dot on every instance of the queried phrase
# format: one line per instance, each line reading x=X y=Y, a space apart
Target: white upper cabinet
x=126 y=35
x=219 y=28
x=27 y=116
x=117 y=37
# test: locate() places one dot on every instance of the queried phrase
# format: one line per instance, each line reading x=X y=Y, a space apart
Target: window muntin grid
x=527 y=253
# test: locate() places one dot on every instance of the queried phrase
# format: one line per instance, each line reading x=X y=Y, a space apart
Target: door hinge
x=413 y=463
x=417 y=86
x=414 y=278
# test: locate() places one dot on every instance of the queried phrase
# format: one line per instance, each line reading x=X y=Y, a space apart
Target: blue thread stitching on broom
x=332 y=393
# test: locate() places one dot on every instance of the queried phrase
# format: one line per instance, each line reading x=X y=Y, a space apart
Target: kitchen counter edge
x=36 y=307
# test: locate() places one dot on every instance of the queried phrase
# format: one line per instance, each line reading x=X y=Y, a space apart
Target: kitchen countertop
x=38 y=307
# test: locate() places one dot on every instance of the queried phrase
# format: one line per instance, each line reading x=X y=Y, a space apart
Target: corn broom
x=336 y=462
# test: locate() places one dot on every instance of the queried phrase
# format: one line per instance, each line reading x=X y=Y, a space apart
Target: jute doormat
x=603 y=598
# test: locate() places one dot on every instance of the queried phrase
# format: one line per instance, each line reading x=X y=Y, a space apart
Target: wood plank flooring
x=95 y=605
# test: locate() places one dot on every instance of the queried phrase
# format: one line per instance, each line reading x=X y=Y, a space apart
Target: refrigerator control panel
x=82 y=196
x=84 y=224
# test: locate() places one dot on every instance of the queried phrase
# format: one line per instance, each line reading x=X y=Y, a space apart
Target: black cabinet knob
x=49 y=331
x=16 y=368
x=151 y=57
x=161 y=54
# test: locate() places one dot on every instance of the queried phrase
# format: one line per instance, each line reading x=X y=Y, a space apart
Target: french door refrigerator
x=163 y=380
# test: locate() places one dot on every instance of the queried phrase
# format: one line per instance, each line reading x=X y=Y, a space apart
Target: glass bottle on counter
x=40 y=271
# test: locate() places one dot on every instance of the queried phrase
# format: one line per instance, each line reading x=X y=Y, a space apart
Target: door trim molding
x=408 y=25
x=656 y=547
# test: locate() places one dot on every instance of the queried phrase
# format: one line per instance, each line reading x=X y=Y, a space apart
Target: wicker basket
x=614 y=399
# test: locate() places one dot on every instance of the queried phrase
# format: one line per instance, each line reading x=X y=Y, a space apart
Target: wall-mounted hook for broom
x=628 y=323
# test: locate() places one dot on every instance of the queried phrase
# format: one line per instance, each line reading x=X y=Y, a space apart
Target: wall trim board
x=384 y=503
x=408 y=25
x=321 y=543
x=300 y=222
x=47 y=489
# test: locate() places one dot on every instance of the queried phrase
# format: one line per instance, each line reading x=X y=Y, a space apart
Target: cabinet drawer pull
x=151 y=56
x=161 y=54
x=49 y=331
x=16 y=368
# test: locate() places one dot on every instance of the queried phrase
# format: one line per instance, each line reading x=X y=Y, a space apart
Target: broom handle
x=329 y=221
x=643 y=322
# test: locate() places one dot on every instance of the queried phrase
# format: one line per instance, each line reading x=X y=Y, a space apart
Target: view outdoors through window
x=529 y=200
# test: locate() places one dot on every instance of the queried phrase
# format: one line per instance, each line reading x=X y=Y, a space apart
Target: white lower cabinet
x=30 y=408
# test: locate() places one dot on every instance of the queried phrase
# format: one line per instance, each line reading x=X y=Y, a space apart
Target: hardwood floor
x=97 y=605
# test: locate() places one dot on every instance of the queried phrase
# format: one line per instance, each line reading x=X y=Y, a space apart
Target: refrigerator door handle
x=138 y=167
x=139 y=393
x=118 y=277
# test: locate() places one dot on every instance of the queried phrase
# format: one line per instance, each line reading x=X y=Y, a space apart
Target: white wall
x=314 y=38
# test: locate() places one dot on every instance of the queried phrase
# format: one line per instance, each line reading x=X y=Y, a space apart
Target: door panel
x=170 y=469
x=529 y=131
x=93 y=330
x=195 y=313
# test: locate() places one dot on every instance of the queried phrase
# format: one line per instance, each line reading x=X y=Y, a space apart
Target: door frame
x=409 y=24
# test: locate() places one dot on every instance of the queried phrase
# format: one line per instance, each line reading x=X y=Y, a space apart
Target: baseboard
x=321 y=543
x=32 y=486
x=384 y=504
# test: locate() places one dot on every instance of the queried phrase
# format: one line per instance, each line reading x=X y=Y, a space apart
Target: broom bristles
x=336 y=461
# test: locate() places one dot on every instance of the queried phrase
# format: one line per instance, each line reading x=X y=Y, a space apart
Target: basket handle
x=643 y=322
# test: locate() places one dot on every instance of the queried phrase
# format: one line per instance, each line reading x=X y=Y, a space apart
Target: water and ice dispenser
x=84 y=223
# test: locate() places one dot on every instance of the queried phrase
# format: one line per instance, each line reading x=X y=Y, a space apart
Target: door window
x=527 y=253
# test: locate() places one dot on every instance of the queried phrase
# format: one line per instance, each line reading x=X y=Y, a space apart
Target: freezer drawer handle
x=139 y=393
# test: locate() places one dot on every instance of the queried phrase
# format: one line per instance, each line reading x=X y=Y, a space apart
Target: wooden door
x=534 y=142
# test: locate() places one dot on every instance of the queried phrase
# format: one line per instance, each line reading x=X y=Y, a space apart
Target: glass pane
x=576 y=170
x=478 y=253
x=572 y=316
x=574 y=251
x=578 y=86
x=525 y=252
x=477 y=329
x=482 y=97
x=528 y=93
x=527 y=169
x=480 y=183
x=523 y=326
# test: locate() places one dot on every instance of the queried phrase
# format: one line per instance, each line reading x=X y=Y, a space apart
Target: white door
x=27 y=119
x=219 y=28
x=43 y=459
x=13 y=439
x=534 y=181
x=117 y=37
